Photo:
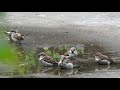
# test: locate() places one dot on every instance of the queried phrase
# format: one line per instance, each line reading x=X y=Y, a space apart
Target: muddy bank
x=47 y=28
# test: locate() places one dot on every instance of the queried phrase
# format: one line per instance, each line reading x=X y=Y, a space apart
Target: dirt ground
x=47 y=29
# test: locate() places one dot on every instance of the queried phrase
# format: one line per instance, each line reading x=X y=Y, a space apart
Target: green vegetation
x=8 y=56
x=24 y=62
x=7 y=53
x=14 y=56
x=56 y=52
x=29 y=65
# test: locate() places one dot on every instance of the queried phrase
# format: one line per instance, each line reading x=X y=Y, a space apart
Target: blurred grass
x=30 y=63
x=7 y=53
x=25 y=62
x=56 y=52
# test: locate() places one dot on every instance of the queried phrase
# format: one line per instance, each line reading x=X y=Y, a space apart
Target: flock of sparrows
x=66 y=60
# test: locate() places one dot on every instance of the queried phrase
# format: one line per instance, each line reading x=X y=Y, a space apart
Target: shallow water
x=44 y=35
x=88 y=66
x=29 y=64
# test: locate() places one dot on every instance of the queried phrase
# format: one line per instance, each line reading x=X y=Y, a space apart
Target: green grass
x=25 y=62
x=7 y=52
x=30 y=64
x=56 y=52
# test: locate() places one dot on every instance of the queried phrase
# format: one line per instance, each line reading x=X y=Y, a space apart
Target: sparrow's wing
x=49 y=59
x=15 y=36
x=19 y=36
x=106 y=57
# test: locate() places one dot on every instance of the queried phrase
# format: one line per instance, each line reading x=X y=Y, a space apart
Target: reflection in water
x=27 y=61
x=86 y=61
x=15 y=60
x=58 y=71
x=50 y=70
x=67 y=72
x=102 y=68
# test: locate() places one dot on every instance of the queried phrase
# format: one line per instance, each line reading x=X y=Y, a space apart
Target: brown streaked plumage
x=15 y=36
x=47 y=60
x=100 y=58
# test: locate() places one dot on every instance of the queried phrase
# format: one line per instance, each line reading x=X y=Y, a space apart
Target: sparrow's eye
x=96 y=54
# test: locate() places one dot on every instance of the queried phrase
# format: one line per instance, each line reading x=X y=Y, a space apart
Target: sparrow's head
x=73 y=50
x=13 y=31
x=42 y=54
x=98 y=54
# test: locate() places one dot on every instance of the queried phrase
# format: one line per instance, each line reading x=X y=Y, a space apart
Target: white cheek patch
x=97 y=58
x=41 y=57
